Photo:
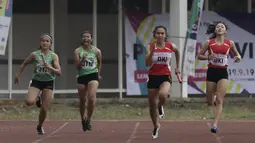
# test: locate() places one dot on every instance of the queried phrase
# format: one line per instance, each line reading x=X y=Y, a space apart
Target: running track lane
x=126 y=132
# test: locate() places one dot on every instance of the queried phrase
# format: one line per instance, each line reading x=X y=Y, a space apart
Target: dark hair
x=211 y=28
x=160 y=26
x=50 y=37
x=86 y=31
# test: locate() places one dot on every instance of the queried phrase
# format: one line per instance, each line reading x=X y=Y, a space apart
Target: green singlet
x=90 y=64
x=41 y=73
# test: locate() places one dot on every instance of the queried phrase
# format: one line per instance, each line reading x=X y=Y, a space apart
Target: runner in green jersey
x=46 y=67
x=88 y=61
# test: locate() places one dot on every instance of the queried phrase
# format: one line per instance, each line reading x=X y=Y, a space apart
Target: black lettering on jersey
x=162 y=59
x=42 y=69
x=218 y=61
x=88 y=63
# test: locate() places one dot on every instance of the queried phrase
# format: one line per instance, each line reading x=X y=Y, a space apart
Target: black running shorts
x=42 y=84
x=156 y=80
x=216 y=74
x=85 y=79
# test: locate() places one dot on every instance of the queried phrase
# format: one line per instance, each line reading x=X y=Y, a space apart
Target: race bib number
x=88 y=64
x=219 y=60
x=41 y=69
x=161 y=58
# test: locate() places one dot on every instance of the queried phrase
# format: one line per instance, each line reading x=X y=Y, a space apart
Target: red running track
x=126 y=132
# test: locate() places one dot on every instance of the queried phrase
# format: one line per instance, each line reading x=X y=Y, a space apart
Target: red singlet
x=221 y=54
x=161 y=59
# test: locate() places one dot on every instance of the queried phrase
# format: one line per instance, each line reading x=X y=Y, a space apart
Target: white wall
x=26 y=33
x=27 y=29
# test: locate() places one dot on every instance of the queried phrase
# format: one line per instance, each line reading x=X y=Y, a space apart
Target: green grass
x=118 y=111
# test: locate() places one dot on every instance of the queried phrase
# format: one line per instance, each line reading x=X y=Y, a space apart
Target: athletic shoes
x=155 y=132
x=161 y=112
x=214 y=129
x=86 y=125
x=40 y=130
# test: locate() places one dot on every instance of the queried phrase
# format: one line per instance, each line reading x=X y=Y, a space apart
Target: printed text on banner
x=5 y=21
x=190 y=43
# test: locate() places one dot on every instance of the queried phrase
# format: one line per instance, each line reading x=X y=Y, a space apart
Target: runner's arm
x=202 y=55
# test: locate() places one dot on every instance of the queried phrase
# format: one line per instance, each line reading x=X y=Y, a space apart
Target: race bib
x=89 y=63
x=219 y=60
x=41 y=69
x=161 y=58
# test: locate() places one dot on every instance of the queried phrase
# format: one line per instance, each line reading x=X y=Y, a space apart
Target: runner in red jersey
x=158 y=57
x=217 y=76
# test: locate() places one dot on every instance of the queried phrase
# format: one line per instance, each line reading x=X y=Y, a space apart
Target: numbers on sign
x=252 y=71
x=240 y=71
x=234 y=71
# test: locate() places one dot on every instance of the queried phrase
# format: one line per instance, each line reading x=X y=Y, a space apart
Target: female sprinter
x=88 y=61
x=158 y=57
x=217 y=76
x=43 y=76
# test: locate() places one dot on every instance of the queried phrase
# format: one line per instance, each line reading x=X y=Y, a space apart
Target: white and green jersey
x=40 y=72
x=90 y=64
